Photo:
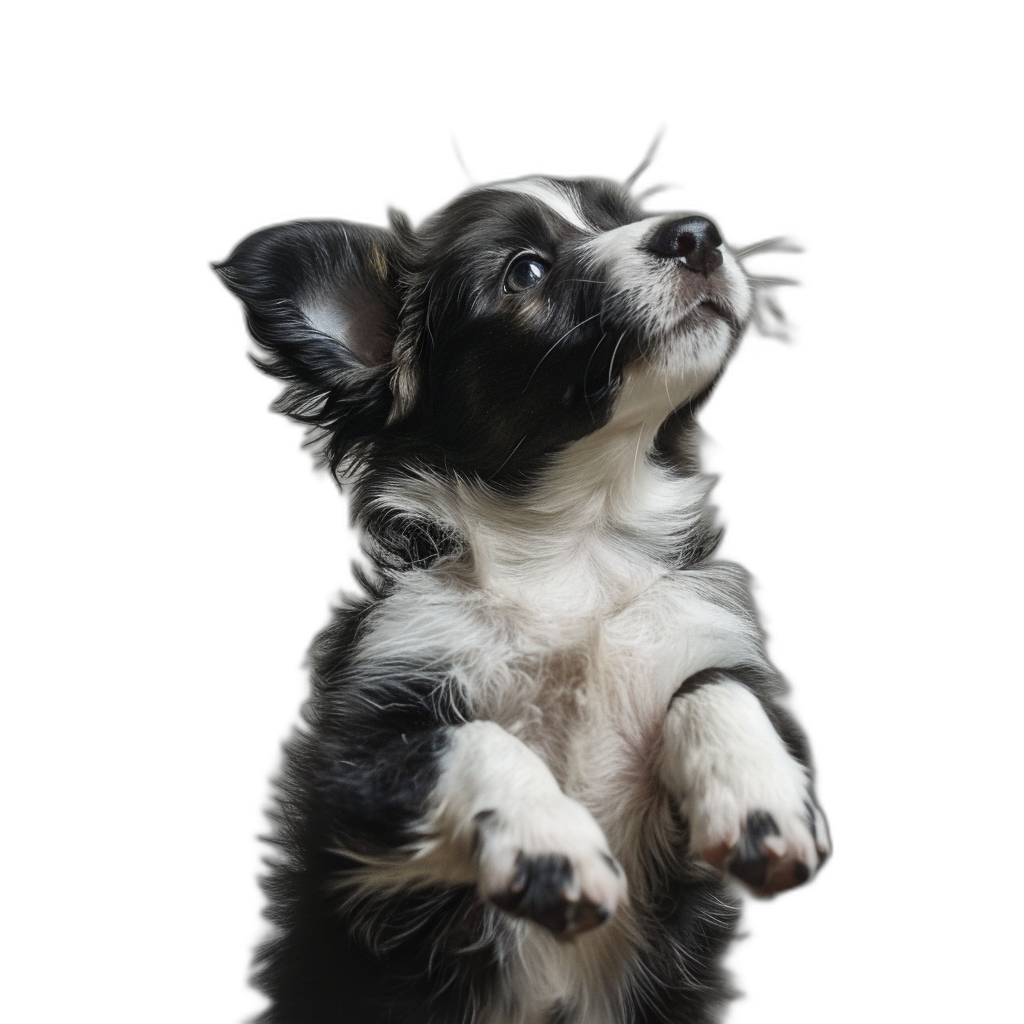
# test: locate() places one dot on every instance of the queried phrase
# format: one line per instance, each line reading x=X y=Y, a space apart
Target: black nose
x=694 y=241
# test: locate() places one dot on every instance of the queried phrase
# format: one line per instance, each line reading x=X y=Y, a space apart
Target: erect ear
x=320 y=300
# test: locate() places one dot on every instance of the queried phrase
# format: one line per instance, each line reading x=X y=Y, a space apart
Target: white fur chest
x=582 y=669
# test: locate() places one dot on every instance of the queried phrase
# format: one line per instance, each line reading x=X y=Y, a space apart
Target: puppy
x=546 y=740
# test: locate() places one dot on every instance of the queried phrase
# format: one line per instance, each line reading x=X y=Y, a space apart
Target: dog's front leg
x=747 y=799
x=500 y=820
x=414 y=800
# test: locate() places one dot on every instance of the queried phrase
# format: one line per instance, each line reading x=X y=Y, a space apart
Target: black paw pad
x=540 y=891
x=749 y=862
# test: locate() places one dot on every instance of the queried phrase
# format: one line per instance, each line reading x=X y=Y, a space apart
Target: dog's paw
x=551 y=864
x=746 y=799
x=769 y=847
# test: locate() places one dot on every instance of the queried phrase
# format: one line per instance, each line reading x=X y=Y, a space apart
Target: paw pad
x=544 y=889
x=762 y=859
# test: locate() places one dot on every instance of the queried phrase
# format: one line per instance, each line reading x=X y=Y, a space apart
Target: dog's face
x=521 y=318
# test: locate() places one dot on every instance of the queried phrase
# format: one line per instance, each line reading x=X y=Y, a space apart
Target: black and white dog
x=546 y=739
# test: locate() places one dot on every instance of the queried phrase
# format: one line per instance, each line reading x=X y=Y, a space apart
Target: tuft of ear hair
x=321 y=302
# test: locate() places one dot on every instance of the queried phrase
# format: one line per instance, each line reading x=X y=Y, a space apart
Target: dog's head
x=520 y=319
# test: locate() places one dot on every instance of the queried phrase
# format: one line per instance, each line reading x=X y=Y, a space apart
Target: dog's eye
x=525 y=272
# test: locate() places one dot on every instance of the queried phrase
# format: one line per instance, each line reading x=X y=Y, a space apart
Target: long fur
x=545 y=743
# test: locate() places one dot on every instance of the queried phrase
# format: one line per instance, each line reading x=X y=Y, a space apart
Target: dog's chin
x=685 y=363
x=702 y=349
x=708 y=313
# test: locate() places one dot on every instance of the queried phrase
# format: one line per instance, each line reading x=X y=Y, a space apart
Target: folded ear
x=321 y=301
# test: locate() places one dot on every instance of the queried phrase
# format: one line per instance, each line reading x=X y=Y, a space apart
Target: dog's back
x=547 y=733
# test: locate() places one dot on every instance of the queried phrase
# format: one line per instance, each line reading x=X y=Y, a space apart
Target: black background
x=260 y=544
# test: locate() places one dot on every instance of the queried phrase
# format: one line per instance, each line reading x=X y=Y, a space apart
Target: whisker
x=779 y=244
x=611 y=362
x=593 y=353
x=556 y=344
x=636 y=454
x=462 y=162
x=769 y=318
x=652 y=191
x=509 y=456
x=646 y=162
x=771 y=282
x=586 y=373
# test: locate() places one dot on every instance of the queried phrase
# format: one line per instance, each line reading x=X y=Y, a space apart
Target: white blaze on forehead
x=551 y=196
x=624 y=240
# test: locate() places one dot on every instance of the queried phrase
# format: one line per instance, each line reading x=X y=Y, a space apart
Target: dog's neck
x=591 y=540
x=596 y=526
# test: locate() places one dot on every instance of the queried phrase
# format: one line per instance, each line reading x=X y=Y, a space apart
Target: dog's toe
x=544 y=889
x=552 y=868
x=765 y=860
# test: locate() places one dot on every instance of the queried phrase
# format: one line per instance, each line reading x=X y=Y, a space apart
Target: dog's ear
x=321 y=301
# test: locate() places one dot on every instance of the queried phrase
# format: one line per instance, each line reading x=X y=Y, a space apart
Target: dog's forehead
x=587 y=205
x=560 y=198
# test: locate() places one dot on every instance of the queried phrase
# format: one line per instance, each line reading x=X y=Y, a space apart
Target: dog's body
x=549 y=729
